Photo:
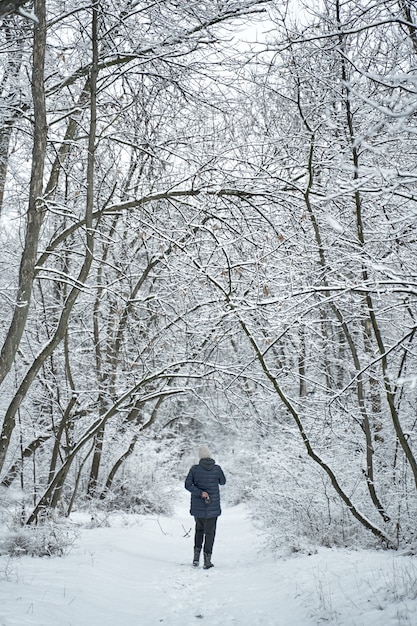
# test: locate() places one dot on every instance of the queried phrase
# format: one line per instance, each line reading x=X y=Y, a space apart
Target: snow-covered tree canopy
x=207 y=230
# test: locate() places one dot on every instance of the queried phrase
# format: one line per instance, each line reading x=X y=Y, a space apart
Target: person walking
x=203 y=482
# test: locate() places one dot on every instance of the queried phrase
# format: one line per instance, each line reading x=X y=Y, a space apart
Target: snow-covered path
x=138 y=572
x=141 y=575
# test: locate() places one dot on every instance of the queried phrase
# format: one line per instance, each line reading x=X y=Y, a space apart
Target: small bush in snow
x=402 y=582
x=46 y=539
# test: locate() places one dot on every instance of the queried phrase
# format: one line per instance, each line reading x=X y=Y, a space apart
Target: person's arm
x=190 y=486
x=222 y=477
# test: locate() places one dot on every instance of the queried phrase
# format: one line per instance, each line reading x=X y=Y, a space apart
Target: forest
x=208 y=215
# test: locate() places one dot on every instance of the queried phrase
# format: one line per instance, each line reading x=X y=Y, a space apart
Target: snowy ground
x=138 y=572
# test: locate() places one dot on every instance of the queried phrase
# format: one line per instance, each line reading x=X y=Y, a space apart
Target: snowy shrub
x=46 y=539
x=151 y=497
x=11 y=507
x=144 y=485
x=291 y=501
x=401 y=582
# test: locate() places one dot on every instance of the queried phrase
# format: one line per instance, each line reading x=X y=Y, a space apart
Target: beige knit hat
x=204 y=452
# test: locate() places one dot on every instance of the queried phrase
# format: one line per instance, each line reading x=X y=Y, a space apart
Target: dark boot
x=207 y=561
x=196 y=559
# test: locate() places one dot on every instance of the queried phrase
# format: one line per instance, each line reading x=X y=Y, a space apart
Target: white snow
x=138 y=572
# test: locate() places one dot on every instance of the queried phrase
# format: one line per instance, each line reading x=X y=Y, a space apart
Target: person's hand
x=204 y=494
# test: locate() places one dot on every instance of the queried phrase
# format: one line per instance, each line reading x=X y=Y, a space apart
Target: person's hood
x=208 y=464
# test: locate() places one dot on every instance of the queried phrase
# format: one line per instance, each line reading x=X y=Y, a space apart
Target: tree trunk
x=117 y=466
x=9 y=420
x=35 y=216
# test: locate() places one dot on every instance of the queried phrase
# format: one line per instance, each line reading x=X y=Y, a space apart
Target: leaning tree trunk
x=35 y=214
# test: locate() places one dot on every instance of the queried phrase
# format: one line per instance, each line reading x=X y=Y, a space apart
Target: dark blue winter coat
x=206 y=476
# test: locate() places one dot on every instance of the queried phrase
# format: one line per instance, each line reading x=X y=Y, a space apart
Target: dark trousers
x=205 y=528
